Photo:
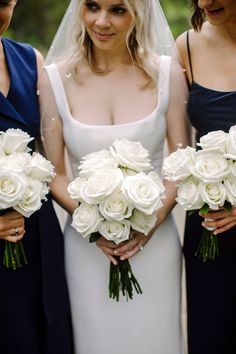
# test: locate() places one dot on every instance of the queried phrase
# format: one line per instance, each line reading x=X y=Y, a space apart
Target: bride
x=111 y=74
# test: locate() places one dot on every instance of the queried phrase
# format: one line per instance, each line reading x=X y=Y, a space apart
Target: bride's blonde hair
x=140 y=39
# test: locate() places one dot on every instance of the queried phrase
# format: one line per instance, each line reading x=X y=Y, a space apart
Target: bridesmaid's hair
x=137 y=40
x=198 y=16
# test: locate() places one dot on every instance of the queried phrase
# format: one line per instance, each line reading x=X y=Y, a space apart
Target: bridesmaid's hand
x=12 y=226
x=222 y=220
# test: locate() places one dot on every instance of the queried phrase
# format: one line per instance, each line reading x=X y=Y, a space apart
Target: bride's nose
x=205 y=3
x=102 y=19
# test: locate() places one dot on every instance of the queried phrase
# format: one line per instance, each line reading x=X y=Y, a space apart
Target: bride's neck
x=109 y=61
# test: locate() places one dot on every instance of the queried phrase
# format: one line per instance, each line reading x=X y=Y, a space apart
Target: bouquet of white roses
x=24 y=181
x=206 y=180
x=115 y=195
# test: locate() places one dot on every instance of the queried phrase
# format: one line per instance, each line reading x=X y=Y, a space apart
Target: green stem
x=14 y=255
x=208 y=247
x=122 y=279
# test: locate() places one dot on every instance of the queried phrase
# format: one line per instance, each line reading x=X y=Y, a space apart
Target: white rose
x=17 y=162
x=176 y=166
x=188 y=195
x=131 y=155
x=40 y=168
x=232 y=168
x=216 y=139
x=142 y=222
x=155 y=177
x=95 y=162
x=213 y=194
x=12 y=188
x=74 y=188
x=100 y=185
x=97 y=155
x=86 y=219
x=210 y=166
x=231 y=144
x=31 y=200
x=143 y=193
x=116 y=231
x=230 y=187
x=115 y=207
x=14 y=140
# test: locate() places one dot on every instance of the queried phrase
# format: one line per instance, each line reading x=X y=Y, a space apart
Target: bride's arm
x=53 y=142
x=177 y=132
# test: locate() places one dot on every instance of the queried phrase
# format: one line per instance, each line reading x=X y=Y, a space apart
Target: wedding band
x=140 y=247
x=16 y=231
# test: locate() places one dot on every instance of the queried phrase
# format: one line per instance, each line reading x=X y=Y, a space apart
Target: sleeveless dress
x=34 y=304
x=150 y=323
x=211 y=286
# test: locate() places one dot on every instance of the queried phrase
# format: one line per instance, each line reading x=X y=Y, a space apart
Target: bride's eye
x=5 y=2
x=118 y=10
x=91 y=5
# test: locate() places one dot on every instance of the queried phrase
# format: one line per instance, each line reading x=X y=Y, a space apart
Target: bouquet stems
x=122 y=279
x=14 y=255
x=208 y=247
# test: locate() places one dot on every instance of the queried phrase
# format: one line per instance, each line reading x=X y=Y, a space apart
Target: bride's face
x=107 y=23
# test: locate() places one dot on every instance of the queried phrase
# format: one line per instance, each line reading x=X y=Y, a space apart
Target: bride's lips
x=214 y=12
x=103 y=36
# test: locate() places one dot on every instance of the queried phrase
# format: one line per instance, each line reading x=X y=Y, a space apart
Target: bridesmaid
x=34 y=308
x=208 y=53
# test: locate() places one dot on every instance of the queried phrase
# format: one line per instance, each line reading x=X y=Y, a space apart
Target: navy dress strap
x=189 y=56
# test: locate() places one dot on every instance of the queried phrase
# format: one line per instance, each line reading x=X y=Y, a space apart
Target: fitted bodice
x=210 y=109
x=81 y=139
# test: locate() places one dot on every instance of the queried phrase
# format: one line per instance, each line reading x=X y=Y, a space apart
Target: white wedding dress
x=150 y=323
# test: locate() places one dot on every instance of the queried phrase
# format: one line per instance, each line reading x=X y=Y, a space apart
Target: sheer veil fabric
x=160 y=37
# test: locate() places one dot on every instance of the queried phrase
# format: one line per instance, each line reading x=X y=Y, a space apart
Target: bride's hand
x=133 y=246
x=221 y=220
x=108 y=248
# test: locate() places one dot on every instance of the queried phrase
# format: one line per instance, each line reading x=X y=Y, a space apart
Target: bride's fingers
x=128 y=246
x=138 y=247
x=104 y=242
x=109 y=253
x=113 y=260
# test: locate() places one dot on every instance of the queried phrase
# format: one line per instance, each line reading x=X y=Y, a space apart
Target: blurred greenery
x=36 y=22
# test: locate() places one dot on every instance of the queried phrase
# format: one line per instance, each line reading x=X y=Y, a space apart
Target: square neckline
x=100 y=126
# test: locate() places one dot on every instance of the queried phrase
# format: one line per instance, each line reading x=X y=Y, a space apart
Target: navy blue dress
x=211 y=286
x=34 y=306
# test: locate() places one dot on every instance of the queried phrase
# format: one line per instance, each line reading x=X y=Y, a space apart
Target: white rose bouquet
x=115 y=195
x=24 y=181
x=206 y=180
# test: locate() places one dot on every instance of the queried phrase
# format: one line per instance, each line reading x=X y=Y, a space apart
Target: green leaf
x=94 y=237
x=204 y=209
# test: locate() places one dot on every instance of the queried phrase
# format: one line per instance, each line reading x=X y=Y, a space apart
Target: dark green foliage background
x=36 y=21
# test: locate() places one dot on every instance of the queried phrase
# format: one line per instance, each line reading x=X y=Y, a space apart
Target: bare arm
x=53 y=142
x=178 y=132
